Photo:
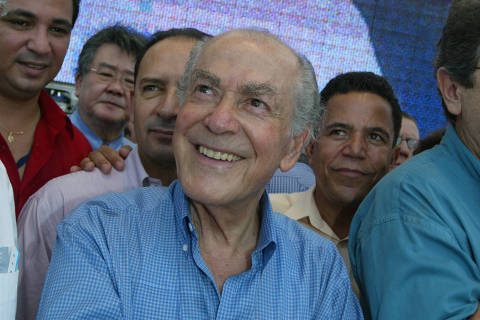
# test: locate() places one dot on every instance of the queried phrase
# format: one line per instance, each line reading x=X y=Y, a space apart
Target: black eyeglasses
x=412 y=144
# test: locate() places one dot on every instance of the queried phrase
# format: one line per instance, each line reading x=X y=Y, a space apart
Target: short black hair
x=127 y=39
x=458 y=48
x=409 y=116
x=76 y=8
x=365 y=82
x=158 y=36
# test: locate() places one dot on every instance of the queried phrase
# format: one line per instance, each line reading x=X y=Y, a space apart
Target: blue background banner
x=394 y=38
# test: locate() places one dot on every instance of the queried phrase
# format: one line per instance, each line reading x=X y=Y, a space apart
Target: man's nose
x=223 y=117
x=39 y=41
x=355 y=146
x=168 y=108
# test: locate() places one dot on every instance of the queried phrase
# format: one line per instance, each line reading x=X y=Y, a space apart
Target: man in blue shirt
x=104 y=85
x=415 y=240
x=210 y=247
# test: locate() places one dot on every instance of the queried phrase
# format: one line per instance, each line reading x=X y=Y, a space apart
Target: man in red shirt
x=37 y=141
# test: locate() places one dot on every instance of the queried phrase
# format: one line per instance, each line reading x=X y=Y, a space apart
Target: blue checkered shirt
x=135 y=255
x=298 y=179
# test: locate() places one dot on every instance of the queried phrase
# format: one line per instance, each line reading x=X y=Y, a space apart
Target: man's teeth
x=218 y=155
x=34 y=66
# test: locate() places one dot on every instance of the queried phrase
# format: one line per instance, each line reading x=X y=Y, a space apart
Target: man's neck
x=105 y=131
x=337 y=216
x=19 y=119
x=165 y=171
x=15 y=112
x=226 y=239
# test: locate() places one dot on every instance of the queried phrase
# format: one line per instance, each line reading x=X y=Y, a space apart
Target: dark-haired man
x=415 y=240
x=159 y=68
x=352 y=151
x=37 y=141
x=104 y=84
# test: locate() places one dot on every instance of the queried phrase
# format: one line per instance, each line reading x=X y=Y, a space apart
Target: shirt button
x=185 y=247
x=190 y=227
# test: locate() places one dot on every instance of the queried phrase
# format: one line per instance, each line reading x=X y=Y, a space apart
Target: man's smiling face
x=233 y=130
x=33 y=42
x=354 y=147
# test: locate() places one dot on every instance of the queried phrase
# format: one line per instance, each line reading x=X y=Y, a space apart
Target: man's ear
x=395 y=155
x=131 y=105
x=451 y=91
x=294 y=150
x=309 y=151
x=78 y=83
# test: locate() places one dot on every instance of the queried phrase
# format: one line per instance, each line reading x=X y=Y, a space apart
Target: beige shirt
x=301 y=207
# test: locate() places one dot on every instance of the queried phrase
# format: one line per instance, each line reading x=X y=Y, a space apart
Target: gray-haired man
x=210 y=246
x=104 y=85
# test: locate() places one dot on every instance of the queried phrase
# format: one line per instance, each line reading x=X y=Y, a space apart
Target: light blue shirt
x=298 y=179
x=95 y=140
x=135 y=255
x=415 y=240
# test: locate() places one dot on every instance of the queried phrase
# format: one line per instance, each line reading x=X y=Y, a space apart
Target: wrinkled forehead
x=409 y=129
x=237 y=59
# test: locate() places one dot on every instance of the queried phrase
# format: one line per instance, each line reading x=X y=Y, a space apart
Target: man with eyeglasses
x=104 y=85
x=415 y=239
x=353 y=150
x=408 y=139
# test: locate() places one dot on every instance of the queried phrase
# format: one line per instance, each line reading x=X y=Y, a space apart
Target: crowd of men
x=211 y=214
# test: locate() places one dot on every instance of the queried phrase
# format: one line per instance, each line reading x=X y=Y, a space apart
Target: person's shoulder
x=418 y=172
x=76 y=184
x=79 y=140
x=293 y=235
x=133 y=202
x=281 y=202
x=411 y=191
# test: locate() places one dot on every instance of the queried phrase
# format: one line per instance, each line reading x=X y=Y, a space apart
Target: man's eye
x=106 y=74
x=129 y=81
x=59 y=31
x=19 y=23
x=258 y=104
x=338 y=132
x=376 y=137
x=204 y=89
x=150 y=88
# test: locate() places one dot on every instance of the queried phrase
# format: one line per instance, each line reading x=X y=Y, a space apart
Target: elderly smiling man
x=210 y=247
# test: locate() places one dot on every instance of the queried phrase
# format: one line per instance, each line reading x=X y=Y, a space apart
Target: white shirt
x=8 y=248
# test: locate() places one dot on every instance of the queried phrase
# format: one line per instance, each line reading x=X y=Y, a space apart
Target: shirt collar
x=452 y=141
x=94 y=140
x=303 y=207
x=52 y=114
x=183 y=219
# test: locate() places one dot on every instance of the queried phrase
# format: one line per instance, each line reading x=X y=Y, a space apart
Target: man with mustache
x=157 y=72
x=353 y=150
x=210 y=247
x=104 y=83
x=37 y=140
